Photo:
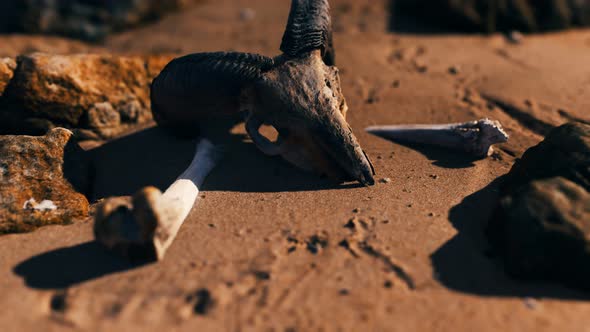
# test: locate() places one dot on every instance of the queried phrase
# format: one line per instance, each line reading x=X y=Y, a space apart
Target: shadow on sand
x=440 y=157
x=466 y=263
x=154 y=158
x=65 y=267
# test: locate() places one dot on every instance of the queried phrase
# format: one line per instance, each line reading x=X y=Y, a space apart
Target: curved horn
x=309 y=28
x=203 y=84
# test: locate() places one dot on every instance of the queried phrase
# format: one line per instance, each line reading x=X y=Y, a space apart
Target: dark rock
x=102 y=95
x=38 y=181
x=544 y=232
x=505 y=16
x=85 y=19
x=541 y=227
x=565 y=152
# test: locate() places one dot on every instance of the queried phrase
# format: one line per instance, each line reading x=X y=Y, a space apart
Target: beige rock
x=37 y=177
x=104 y=95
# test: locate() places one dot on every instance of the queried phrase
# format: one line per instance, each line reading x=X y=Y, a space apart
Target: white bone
x=45 y=205
x=152 y=222
x=474 y=137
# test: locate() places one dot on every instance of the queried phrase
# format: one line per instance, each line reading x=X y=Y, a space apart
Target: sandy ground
x=266 y=247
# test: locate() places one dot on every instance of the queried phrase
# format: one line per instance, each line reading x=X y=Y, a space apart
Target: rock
x=85 y=19
x=102 y=95
x=505 y=16
x=541 y=228
x=38 y=177
x=7 y=67
x=565 y=152
x=544 y=230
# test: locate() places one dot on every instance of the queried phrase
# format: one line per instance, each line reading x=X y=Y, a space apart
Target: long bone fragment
x=474 y=137
x=145 y=227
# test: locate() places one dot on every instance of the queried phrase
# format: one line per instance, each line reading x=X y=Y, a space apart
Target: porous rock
x=541 y=228
x=7 y=67
x=39 y=178
x=101 y=95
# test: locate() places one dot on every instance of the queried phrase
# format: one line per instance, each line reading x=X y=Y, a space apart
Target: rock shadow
x=466 y=264
x=69 y=266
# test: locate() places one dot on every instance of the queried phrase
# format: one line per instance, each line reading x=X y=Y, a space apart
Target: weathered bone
x=474 y=137
x=146 y=227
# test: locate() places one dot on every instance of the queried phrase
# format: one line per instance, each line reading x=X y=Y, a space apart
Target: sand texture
x=271 y=248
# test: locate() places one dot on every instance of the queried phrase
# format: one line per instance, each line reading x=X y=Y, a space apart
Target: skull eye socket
x=269 y=132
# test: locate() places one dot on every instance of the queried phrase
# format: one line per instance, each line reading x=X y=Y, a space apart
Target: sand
x=271 y=248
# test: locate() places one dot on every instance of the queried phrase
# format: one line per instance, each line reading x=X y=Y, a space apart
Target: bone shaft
x=180 y=197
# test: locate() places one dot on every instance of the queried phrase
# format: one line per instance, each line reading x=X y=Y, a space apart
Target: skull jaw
x=298 y=149
x=304 y=153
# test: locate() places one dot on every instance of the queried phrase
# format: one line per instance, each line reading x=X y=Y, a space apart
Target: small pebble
x=516 y=37
x=454 y=70
x=357 y=210
x=530 y=303
x=344 y=291
x=421 y=66
x=431 y=214
x=385 y=180
x=247 y=14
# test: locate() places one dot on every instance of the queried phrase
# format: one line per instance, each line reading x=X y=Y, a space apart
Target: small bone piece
x=474 y=137
x=45 y=205
x=145 y=227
